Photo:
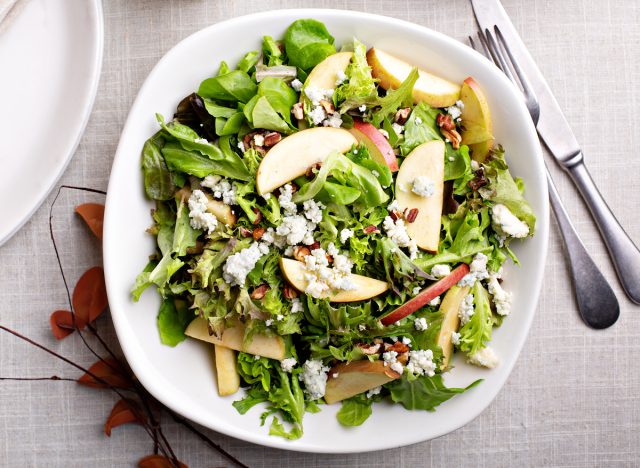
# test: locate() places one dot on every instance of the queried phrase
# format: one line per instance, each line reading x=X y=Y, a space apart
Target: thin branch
x=53 y=377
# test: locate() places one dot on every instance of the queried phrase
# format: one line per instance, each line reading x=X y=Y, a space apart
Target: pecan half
x=399 y=347
x=258 y=216
x=289 y=292
x=244 y=232
x=259 y=292
x=300 y=252
x=412 y=215
x=452 y=137
x=313 y=170
x=369 y=349
x=271 y=139
x=403 y=358
x=327 y=106
x=314 y=246
x=258 y=233
x=395 y=215
x=445 y=122
x=297 y=111
x=370 y=229
x=479 y=180
x=402 y=115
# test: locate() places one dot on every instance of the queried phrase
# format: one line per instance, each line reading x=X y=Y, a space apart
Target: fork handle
x=597 y=303
x=623 y=252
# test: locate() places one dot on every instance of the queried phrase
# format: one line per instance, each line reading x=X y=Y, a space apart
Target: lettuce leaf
x=477 y=331
x=360 y=83
x=307 y=43
x=423 y=393
x=173 y=318
x=158 y=183
x=395 y=98
x=355 y=410
x=420 y=128
x=234 y=86
x=270 y=108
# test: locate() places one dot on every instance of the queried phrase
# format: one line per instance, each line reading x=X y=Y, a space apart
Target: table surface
x=573 y=398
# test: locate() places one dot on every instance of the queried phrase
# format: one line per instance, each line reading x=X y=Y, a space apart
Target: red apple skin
x=378 y=146
x=426 y=296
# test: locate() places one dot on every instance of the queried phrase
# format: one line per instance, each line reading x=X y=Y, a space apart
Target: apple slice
x=391 y=72
x=366 y=288
x=378 y=146
x=426 y=296
x=425 y=160
x=325 y=74
x=449 y=307
x=352 y=378
x=298 y=152
x=222 y=212
x=476 y=120
x=233 y=338
x=226 y=371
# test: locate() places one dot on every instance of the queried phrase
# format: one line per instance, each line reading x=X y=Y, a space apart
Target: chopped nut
x=313 y=170
x=412 y=215
x=196 y=249
x=370 y=229
x=402 y=115
x=260 y=291
x=399 y=347
x=258 y=216
x=327 y=106
x=395 y=215
x=244 y=232
x=315 y=245
x=271 y=139
x=329 y=258
x=300 y=252
x=289 y=292
x=378 y=341
x=369 y=349
x=297 y=111
x=479 y=180
x=445 y=122
x=258 y=233
x=453 y=137
x=403 y=358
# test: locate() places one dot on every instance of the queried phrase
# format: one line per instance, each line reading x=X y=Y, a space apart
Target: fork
x=597 y=303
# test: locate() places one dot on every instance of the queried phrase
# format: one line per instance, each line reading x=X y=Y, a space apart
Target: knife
x=559 y=139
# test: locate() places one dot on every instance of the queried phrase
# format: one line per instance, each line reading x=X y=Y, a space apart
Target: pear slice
x=366 y=288
x=226 y=371
x=425 y=160
x=233 y=337
x=391 y=72
x=222 y=212
x=325 y=74
x=476 y=120
x=295 y=154
x=352 y=378
x=450 y=322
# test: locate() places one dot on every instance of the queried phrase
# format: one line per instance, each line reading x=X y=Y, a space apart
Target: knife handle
x=623 y=252
x=597 y=303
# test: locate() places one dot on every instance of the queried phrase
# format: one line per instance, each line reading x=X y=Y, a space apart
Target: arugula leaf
x=307 y=43
x=423 y=393
x=158 y=183
x=354 y=411
x=234 y=86
x=173 y=318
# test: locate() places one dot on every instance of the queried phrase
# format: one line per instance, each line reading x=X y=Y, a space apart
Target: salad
x=334 y=222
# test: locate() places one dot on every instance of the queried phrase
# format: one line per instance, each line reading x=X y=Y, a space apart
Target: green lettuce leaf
x=158 y=183
x=307 y=43
x=360 y=83
x=423 y=393
x=234 y=86
x=395 y=99
x=420 y=128
x=273 y=56
x=477 y=331
x=248 y=61
x=355 y=410
x=173 y=318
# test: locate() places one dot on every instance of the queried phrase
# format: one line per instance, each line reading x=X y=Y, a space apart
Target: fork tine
x=498 y=57
x=526 y=87
x=479 y=48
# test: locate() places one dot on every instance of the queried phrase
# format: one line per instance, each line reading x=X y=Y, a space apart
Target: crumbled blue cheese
x=315 y=94
x=296 y=229
x=397 y=128
x=415 y=291
x=341 y=77
x=435 y=302
x=198 y=216
x=286 y=194
x=296 y=305
x=486 y=357
x=507 y=222
x=374 y=391
x=420 y=324
x=455 y=338
x=241 y=146
x=406 y=340
x=314 y=376
x=501 y=298
x=390 y=359
x=397 y=232
x=222 y=188
x=313 y=210
x=202 y=141
x=345 y=235
x=333 y=120
x=455 y=111
x=440 y=270
x=296 y=85
x=279 y=317
x=418 y=121
x=477 y=270
x=362 y=108
x=421 y=362
x=384 y=133
x=423 y=186
x=317 y=114
x=288 y=364
x=238 y=265
x=393 y=206
x=268 y=322
x=321 y=278
x=466 y=310
x=362 y=327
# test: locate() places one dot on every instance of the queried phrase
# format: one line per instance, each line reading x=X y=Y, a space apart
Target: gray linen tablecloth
x=574 y=396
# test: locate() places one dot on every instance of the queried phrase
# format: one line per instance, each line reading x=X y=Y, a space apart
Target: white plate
x=51 y=57
x=183 y=378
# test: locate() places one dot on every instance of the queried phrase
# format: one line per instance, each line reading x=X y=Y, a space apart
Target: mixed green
x=221 y=244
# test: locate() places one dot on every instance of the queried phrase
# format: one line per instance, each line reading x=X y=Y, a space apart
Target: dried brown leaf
x=124 y=412
x=108 y=370
x=90 y=295
x=93 y=215
x=158 y=461
x=62 y=323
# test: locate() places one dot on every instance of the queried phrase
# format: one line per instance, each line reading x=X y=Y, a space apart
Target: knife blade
x=552 y=126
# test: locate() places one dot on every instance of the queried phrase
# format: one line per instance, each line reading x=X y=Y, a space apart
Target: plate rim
x=96 y=72
x=271 y=441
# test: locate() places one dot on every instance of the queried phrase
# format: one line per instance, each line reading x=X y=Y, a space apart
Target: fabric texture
x=573 y=398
